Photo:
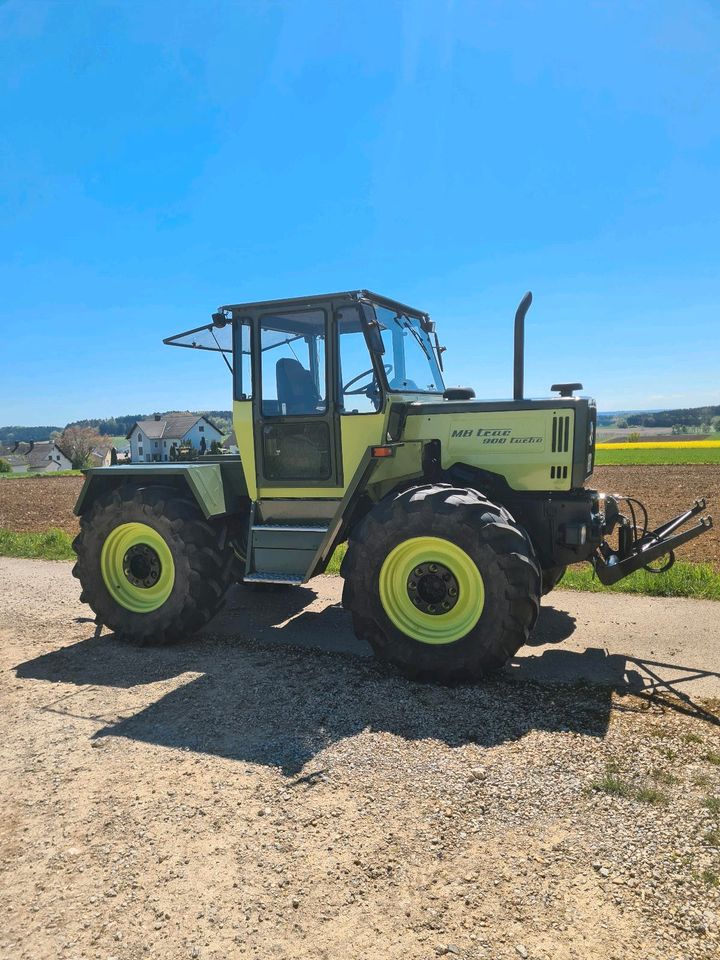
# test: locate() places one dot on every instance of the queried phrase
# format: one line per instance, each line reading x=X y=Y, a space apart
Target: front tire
x=151 y=567
x=442 y=583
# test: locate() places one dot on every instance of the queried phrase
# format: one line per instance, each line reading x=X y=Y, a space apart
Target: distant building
x=35 y=456
x=152 y=440
x=230 y=444
x=100 y=457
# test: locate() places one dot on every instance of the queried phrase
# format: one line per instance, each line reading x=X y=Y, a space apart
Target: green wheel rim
x=443 y=626
x=129 y=551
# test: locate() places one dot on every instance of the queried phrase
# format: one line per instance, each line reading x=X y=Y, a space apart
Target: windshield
x=413 y=366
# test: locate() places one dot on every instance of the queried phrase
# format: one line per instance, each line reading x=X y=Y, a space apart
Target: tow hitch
x=638 y=548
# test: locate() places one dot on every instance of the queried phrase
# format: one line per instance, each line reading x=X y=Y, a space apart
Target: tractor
x=458 y=513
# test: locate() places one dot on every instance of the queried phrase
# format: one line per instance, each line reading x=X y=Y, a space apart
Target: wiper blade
x=413 y=331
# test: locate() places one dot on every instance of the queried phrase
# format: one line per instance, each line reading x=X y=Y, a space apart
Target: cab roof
x=354 y=295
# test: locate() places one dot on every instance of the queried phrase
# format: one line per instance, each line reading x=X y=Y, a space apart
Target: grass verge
x=40 y=476
x=696 y=580
x=336 y=559
x=51 y=545
x=657 y=456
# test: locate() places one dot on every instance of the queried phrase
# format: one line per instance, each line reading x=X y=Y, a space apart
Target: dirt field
x=247 y=794
x=667 y=491
x=48 y=502
x=38 y=503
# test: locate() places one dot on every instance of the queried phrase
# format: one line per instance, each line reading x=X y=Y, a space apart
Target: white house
x=151 y=440
x=35 y=456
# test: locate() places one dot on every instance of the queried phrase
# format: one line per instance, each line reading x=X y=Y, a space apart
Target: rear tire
x=396 y=560
x=151 y=567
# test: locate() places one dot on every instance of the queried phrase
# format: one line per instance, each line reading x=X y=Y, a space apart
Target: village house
x=151 y=441
x=100 y=457
x=35 y=456
x=230 y=444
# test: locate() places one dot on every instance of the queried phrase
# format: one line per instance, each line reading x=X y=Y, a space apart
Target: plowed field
x=38 y=504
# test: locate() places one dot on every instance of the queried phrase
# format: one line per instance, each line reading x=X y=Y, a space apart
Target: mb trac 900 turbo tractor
x=458 y=513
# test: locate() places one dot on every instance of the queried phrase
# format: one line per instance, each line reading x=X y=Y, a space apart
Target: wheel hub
x=141 y=566
x=433 y=588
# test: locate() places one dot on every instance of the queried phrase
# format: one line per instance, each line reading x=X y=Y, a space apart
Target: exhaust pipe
x=519 y=360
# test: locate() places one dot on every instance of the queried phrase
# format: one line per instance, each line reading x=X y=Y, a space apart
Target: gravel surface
x=247 y=795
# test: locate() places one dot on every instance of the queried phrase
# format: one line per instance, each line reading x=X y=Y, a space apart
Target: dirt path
x=269 y=791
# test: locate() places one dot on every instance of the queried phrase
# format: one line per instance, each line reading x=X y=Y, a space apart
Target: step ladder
x=283 y=552
x=293 y=552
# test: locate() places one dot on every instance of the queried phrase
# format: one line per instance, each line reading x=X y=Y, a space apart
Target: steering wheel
x=387 y=367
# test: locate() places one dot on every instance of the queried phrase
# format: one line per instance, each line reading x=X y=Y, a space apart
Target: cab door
x=360 y=400
x=295 y=412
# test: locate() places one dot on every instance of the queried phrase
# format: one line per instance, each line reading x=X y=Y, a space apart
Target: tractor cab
x=314 y=381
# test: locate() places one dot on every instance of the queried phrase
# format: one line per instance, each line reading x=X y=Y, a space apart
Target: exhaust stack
x=519 y=358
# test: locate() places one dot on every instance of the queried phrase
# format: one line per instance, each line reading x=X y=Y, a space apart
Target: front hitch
x=635 y=552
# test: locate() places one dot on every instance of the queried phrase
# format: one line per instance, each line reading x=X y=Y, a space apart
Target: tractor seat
x=296 y=387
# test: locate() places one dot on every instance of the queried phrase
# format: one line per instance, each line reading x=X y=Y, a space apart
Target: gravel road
x=268 y=790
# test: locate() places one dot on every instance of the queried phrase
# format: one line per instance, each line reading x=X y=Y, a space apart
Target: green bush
x=5 y=466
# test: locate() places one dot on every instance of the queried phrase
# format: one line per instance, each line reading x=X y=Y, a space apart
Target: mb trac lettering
x=493 y=436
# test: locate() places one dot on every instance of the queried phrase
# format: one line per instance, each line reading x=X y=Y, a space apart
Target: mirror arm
x=440 y=351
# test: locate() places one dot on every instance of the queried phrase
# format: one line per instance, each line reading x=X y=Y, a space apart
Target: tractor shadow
x=276 y=683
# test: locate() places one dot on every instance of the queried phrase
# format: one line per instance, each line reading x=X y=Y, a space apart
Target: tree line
x=691 y=417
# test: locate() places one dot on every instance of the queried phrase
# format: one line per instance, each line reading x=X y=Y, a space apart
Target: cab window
x=358 y=389
x=410 y=362
x=292 y=363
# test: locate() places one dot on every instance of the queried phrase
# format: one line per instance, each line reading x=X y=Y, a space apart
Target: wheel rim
x=431 y=590
x=137 y=567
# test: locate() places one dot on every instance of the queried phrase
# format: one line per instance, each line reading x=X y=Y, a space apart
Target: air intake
x=561 y=434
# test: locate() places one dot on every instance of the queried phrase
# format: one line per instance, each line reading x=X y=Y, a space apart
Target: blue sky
x=158 y=159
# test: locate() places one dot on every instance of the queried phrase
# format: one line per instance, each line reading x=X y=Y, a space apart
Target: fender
x=214 y=486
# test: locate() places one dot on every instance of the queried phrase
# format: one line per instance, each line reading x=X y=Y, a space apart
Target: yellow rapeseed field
x=661 y=445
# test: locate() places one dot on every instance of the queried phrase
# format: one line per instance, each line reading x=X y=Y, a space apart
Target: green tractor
x=458 y=513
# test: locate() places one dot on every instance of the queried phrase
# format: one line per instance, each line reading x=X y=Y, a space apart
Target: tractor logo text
x=493 y=436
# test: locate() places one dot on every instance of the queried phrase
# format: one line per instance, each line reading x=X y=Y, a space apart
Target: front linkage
x=638 y=546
